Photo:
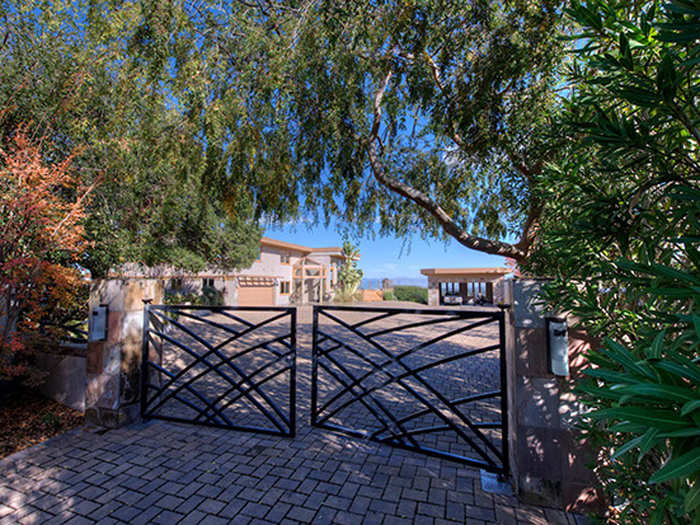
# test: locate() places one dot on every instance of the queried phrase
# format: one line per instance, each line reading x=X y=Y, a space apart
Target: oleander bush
x=620 y=239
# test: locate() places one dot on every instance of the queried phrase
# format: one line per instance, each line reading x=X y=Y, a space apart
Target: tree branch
x=423 y=200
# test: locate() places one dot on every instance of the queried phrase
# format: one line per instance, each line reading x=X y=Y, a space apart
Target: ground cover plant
x=620 y=238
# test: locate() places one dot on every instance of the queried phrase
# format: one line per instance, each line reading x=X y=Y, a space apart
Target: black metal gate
x=428 y=380
x=228 y=367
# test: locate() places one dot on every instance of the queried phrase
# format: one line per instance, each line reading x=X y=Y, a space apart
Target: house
x=467 y=284
x=283 y=274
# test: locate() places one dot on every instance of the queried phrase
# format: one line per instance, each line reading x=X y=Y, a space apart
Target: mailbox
x=557 y=346
x=97 y=324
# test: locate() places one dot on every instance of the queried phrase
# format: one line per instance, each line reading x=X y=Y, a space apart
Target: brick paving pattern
x=161 y=472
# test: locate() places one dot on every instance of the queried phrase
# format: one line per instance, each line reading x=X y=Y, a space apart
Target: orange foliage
x=41 y=239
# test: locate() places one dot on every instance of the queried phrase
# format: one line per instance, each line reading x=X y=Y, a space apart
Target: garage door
x=256 y=295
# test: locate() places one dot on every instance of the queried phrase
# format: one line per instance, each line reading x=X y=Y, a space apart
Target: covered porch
x=454 y=286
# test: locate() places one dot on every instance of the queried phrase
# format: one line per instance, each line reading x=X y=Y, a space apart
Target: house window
x=207 y=282
x=285 y=258
x=284 y=287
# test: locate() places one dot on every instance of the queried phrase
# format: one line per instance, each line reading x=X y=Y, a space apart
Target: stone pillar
x=548 y=458
x=113 y=365
x=433 y=291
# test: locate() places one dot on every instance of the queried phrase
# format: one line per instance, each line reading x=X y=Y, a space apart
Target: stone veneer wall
x=113 y=365
x=549 y=461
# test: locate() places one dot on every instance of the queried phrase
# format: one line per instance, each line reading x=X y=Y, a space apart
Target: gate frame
x=497 y=316
x=290 y=357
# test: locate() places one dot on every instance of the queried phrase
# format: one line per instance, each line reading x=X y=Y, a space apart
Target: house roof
x=333 y=250
x=466 y=272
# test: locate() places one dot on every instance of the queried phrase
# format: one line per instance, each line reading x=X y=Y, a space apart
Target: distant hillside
x=376 y=282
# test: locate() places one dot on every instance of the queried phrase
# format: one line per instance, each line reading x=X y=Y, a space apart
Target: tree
x=41 y=240
x=419 y=116
x=83 y=75
x=349 y=275
x=620 y=239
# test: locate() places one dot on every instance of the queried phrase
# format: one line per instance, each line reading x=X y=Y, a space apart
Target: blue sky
x=384 y=256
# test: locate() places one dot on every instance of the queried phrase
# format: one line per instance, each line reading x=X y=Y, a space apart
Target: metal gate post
x=145 y=356
x=293 y=375
x=504 y=391
x=314 y=367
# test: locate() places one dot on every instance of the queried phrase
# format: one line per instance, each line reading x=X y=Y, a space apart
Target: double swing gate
x=429 y=380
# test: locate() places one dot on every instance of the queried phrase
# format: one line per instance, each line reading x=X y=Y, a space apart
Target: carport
x=467 y=283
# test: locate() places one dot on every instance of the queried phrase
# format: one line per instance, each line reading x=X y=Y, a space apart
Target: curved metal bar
x=208 y=321
x=187 y=368
x=199 y=396
x=460 y=401
x=425 y=402
x=432 y=390
x=252 y=328
x=413 y=432
x=365 y=392
x=183 y=371
x=341 y=344
x=392 y=378
x=376 y=318
x=231 y=381
x=251 y=376
x=231 y=401
x=366 y=405
x=427 y=322
x=183 y=401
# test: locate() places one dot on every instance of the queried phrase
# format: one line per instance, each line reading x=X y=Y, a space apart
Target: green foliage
x=210 y=296
x=349 y=275
x=93 y=78
x=414 y=294
x=471 y=84
x=207 y=296
x=619 y=238
x=388 y=295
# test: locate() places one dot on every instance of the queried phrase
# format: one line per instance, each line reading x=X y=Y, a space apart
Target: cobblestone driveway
x=167 y=473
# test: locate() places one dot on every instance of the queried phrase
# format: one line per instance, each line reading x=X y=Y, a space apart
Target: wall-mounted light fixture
x=97 y=323
x=557 y=345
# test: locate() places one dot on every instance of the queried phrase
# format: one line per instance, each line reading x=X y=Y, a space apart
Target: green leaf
x=682 y=467
x=655 y=350
x=651 y=417
x=690 y=406
x=663 y=392
x=692 y=498
x=622 y=450
x=648 y=440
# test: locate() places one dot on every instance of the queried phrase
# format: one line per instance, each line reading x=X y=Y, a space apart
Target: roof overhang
x=462 y=273
x=285 y=245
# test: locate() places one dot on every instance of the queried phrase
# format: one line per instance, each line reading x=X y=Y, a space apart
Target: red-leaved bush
x=41 y=239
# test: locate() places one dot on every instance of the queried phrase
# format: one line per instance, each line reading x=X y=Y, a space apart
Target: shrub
x=388 y=295
x=413 y=294
x=210 y=296
x=41 y=242
x=620 y=238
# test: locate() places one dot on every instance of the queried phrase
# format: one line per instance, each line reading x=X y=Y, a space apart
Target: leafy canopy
x=83 y=75
x=398 y=116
